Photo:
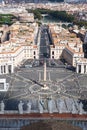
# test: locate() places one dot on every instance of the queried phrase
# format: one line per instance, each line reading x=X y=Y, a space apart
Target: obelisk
x=45 y=70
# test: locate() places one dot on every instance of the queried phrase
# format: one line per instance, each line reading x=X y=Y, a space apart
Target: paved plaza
x=28 y=84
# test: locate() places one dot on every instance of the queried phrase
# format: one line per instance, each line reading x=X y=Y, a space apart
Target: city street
x=44 y=43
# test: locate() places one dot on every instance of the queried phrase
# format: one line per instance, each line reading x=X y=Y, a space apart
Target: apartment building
x=19 y=47
x=66 y=45
x=72 y=55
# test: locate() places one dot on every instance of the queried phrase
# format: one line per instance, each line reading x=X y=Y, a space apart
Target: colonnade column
x=82 y=69
x=77 y=68
x=86 y=68
x=6 y=69
x=0 y=69
x=3 y=69
x=12 y=68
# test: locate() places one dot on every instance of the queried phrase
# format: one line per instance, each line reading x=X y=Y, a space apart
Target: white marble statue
x=74 y=109
x=28 y=107
x=80 y=108
x=50 y=107
x=2 y=107
x=41 y=105
x=20 y=107
x=61 y=106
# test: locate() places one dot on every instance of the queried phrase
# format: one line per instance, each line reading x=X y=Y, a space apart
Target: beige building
x=14 y=55
x=26 y=17
x=56 y=51
x=20 y=46
x=72 y=56
x=68 y=46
